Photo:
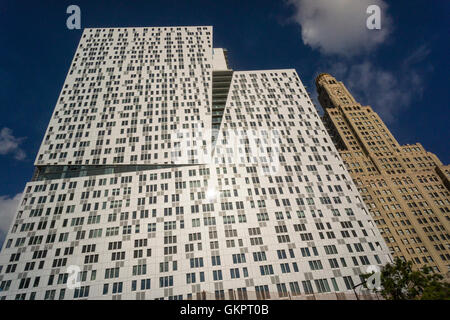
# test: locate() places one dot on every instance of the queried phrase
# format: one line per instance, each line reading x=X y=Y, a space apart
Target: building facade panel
x=126 y=91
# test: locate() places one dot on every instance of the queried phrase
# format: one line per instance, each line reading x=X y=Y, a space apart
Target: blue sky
x=409 y=53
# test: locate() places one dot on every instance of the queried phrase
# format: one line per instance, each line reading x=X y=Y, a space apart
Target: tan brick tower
x=405 y=187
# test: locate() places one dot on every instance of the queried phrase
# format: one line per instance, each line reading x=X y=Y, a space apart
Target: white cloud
x=8 y=207
x=10 y=144
x=339 y=26
x=387 y=92
x=337 y=29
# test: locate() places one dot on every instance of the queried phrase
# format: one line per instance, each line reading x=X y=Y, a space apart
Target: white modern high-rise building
x=163 y=174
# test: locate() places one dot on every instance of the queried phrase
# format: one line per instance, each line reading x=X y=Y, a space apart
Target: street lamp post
x=358 y=285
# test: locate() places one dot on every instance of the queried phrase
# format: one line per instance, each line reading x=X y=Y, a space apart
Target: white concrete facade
x=219 y=60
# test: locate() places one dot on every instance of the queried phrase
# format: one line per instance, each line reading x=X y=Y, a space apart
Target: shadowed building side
x=405 y=187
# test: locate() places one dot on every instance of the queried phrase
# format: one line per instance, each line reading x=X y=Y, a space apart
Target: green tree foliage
x=400 y=282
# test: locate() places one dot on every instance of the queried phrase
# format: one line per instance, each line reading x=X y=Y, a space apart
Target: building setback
x=405 y=188
x=163 y=174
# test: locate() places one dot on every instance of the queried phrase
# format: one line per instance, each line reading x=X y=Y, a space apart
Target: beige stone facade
x=405 y=187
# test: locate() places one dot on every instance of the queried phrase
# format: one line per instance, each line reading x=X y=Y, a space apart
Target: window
x=81 y=292
x=348 y=282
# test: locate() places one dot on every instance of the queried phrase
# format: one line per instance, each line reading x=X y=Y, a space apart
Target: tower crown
x=321 y=76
